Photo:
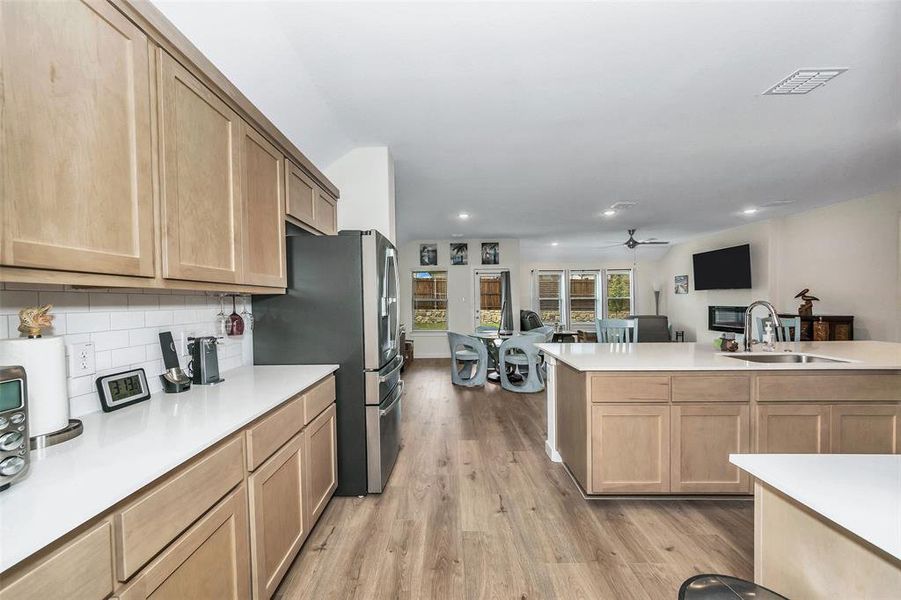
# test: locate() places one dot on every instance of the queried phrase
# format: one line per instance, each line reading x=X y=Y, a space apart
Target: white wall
x=124 y=325
x=644 y=276
x=460 y=289
x=365 y=177
x=848 y=254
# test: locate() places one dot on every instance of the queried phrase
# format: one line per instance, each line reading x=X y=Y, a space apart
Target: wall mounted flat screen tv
x=724 y=269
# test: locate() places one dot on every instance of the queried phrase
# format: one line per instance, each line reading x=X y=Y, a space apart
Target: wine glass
x=245 y=314
x=221 y=319
x=235 y=322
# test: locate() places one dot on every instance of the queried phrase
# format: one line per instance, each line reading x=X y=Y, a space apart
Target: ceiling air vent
x=622 y=205
x=803 y=81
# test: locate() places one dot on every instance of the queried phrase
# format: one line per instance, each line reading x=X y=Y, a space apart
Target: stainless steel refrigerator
x=342 y=307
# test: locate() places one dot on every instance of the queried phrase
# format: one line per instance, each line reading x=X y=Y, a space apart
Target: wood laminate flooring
x=475 y=509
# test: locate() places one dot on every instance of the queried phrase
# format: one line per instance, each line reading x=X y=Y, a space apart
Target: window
x=583 y=298
x=430 y=300
x=550 y=297
x=619 y=293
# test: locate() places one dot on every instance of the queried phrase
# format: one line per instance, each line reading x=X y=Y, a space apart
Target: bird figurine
x=806 y=308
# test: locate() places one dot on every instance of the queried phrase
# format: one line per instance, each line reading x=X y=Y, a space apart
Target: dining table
x=493 y=341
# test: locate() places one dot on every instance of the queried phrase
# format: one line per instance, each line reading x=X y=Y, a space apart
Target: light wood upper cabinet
x=200 y=191
x=630 y=448
x=264 y=210
x=301 y=194
x=865 y=429
x=75 y=139
x=322 y=461
x=210 y=561
x=278 y=515
x=792 y=428
x=703 y=436
x=326 y=214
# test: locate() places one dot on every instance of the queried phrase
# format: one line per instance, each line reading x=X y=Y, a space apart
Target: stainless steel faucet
x=751 y=307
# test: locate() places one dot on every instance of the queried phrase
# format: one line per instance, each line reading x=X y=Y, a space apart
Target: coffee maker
x=204 y=365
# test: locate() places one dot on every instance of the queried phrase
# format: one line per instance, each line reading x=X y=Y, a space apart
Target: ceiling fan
x=632 y=243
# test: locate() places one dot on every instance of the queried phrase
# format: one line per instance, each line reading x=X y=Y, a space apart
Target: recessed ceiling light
x=457 y=235
x=803 y=81
x=749 y=211
x=609 y=212
x=555 y=243
x=463 y=215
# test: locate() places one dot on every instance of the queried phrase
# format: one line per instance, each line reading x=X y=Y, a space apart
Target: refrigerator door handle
x=393 y=404
x=396 y=340
x=387 y=376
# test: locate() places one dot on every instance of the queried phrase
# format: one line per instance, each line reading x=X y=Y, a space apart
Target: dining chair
x=616 y=331
x=520 y=354
x=469 y=360
x=789 y=331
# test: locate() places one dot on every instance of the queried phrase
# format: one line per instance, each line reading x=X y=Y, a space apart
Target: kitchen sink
x=785 y=358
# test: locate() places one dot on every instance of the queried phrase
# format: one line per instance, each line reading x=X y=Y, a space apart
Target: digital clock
x=122 y=389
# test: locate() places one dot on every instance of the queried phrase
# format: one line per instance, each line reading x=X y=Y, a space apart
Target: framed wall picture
x=428 y=255
x=491 y=253
x=459 y=253
x=681 y=284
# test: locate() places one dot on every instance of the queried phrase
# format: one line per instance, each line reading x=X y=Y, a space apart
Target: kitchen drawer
x=318 y=398
x=711 y=388
x=80 y=569
x=147 y=525
x=629 y=388
x=271 y=433
x=829 y=386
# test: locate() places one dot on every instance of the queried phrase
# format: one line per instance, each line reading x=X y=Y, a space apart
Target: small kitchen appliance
x=174 y=379
x=204 y=364
x=13 y=425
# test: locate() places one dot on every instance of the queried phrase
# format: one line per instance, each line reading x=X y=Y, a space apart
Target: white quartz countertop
x=858 y=492
x=704 y=357
x=122 y=451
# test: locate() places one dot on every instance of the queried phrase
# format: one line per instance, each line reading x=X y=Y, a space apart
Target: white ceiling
x=535 y=117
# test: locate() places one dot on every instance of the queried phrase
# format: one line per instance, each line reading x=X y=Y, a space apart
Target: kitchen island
x=663 y=418
x=826 y=526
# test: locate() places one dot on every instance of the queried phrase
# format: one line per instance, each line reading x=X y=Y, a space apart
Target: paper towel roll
x=44 y=360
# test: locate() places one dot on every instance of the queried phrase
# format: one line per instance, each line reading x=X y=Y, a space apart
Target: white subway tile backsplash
x=126 y=320
x=124 y=326
x=105 y=301
x=14 y=301
x=157 y=318
x=87 y=322
x=128 y=356
x=110 y=340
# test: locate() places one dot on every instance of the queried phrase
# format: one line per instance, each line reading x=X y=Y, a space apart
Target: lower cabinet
x=702 y=438
x=630 y=448
x=210 y=561
x=279 y=514
x=792 y=428
x=865 y=428
x=322 y=461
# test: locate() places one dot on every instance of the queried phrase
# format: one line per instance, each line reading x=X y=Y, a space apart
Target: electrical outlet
x=81 y=359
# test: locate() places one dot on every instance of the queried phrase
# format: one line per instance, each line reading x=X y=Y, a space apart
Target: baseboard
x=551 y=453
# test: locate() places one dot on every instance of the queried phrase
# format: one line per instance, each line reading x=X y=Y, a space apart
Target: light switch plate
x=81 y=359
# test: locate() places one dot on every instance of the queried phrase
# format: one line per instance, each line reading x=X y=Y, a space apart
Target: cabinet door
x=703 y=436
x=865 y=429
x=278 y=525
x=75 y=139
x=630 y=448
x=792 y=428
x=264 y=210
x=201 y=207
x=301 y=194
x=210 y=561
x=322 y=461
x=326 y=214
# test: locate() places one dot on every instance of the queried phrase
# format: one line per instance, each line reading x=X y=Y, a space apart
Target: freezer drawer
x=383 y=439
x=380 y=384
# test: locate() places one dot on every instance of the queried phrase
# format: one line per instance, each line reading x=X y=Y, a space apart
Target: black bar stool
x=723 y=587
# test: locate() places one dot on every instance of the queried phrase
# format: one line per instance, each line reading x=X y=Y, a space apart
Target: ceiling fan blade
x=610 y=246
x=650 y=243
